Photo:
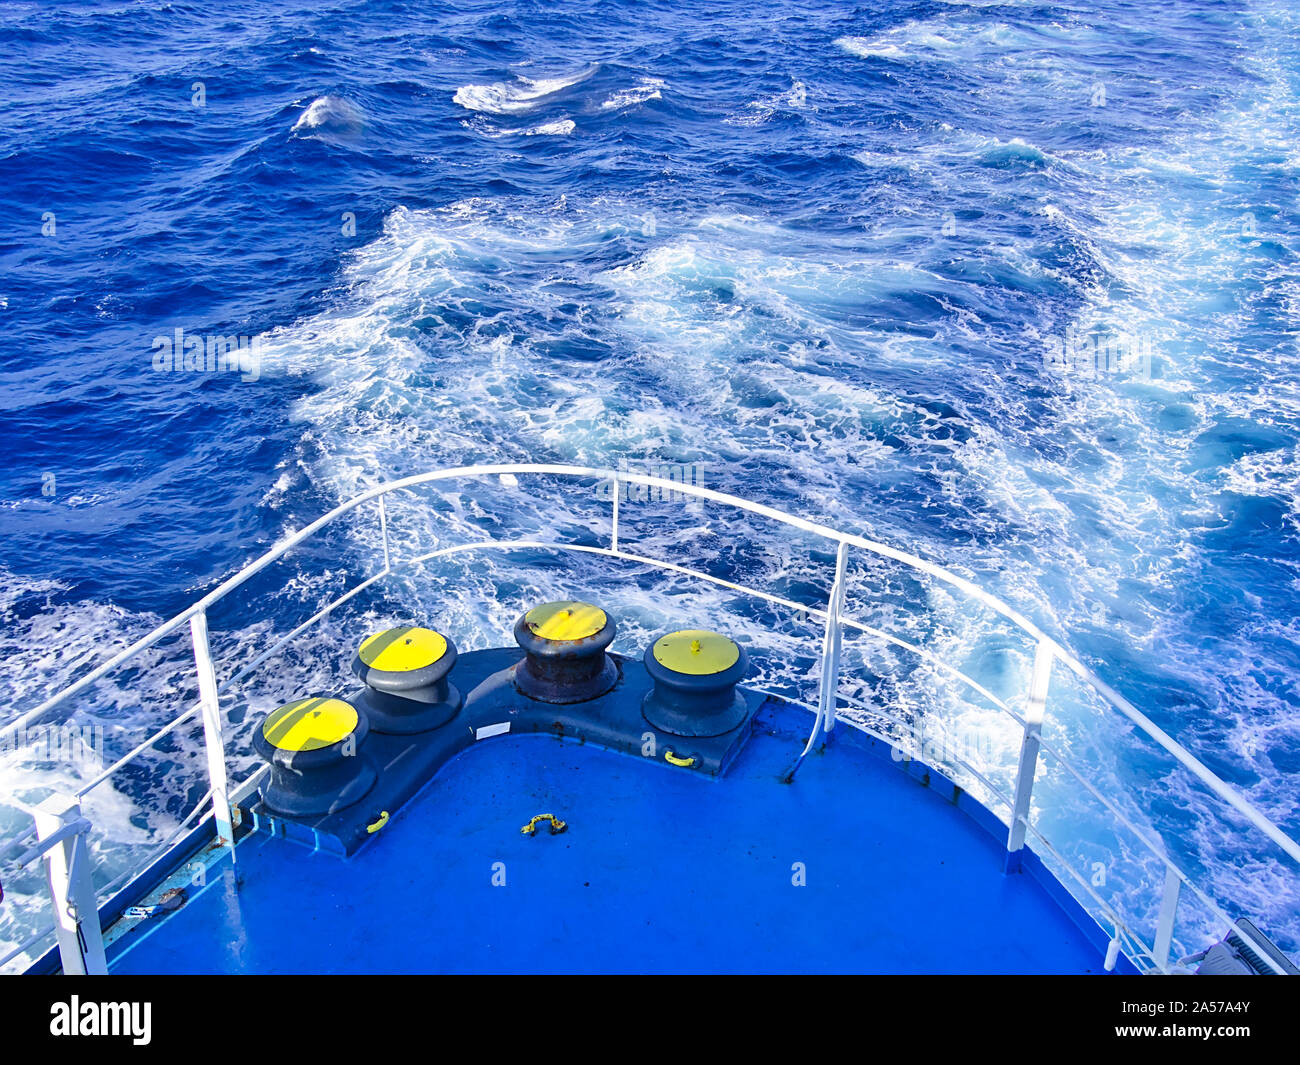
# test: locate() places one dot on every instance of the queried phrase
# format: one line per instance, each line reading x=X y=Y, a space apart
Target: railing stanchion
x=383 y=531
x=829 y=682
x=1038 y=685
x=828 y=695
x=72 y=891
x=212 y=731
x=613 y=535
x=1165 y=923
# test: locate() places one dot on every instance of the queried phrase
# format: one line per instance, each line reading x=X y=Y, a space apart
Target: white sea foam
x=761 y=110
x=330 y=114
x=869 y=48
x=898 y=43
x=956 y=36
x=521 y=94
x=645 y=90
x=562 y=128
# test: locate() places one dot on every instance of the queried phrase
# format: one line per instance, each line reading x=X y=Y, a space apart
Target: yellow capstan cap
x=565 y=620
x=309 y=724
x=403 y=649
x=697 y=652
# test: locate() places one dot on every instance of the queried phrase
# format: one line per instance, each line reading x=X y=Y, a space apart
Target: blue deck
x=660 y=871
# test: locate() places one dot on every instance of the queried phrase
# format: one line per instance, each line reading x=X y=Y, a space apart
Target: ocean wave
x=562 y=128
x=521 y=94
x=943 y=38
x=644 y=91
x=330 y=115
x=898 y=43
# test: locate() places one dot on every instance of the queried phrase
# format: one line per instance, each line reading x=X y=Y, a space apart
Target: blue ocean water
x=1012 y=285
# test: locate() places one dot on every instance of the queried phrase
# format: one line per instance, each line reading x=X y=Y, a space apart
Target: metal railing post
x=828 y=693
x=613 y=535
x=1038 y=685
x=1165 y=922
x=383 y=531
x=829 y=681
x=72 y=892
x=212 y=737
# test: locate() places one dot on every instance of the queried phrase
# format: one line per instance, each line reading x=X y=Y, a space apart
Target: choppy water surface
x=1011 y=285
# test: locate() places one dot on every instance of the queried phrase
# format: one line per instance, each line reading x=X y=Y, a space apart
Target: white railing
x=69 y=895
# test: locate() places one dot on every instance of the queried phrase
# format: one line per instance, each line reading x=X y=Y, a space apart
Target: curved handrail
x=277 y=550
x=1223 y=790
x=1045 y=642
